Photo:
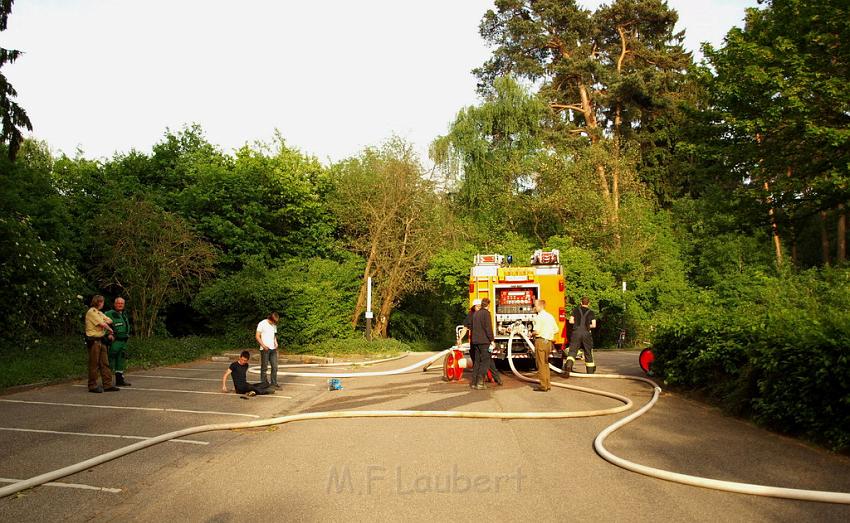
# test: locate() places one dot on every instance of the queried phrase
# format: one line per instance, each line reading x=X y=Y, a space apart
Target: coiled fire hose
x=810 y=495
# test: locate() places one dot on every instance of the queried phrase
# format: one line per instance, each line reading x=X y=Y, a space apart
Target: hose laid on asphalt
x=810 y=495
x=392 y=372
x=103 y=458
x=685 y=479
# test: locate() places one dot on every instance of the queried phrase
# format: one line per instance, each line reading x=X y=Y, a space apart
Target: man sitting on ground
x=239 y=371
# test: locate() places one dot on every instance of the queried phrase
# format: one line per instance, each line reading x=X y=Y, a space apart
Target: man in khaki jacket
x=545 y=330
x=98 y=325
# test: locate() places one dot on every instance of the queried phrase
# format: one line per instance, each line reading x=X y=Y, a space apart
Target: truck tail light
x=560 y=285
x=562 y=314
x=471 y=287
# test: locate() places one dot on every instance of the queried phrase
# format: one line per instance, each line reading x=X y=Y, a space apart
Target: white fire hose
x=696 y=481
x=810 y=495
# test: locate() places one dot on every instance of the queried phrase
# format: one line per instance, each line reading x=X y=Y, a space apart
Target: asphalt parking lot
x=392 y=469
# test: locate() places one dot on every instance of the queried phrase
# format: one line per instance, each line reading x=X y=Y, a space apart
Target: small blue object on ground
x=334 y=384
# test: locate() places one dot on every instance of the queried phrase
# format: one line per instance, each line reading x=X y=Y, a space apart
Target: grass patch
x=429 y=346
x=61 y=358
x=359 y=346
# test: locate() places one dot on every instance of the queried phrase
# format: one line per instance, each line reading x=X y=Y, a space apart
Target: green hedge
x=774 y=348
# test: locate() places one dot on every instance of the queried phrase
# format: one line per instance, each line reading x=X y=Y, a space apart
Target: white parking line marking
x=272 y=396
x=205 y=379
x=155 y=409
x=64 y=433
x=68 y=485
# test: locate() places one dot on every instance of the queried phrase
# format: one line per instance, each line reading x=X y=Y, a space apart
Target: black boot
x=119 y=380
x=568 y=368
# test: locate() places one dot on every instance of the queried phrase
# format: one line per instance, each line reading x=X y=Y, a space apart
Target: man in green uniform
x=119 y=338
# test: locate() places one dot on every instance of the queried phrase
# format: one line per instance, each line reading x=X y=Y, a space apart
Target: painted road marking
x=154 y=409
x=205 y=379
x=68 y=485
x=272 y=396
x=61 y=432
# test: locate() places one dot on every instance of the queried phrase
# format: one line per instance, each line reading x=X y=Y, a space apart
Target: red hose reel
x=455 y=362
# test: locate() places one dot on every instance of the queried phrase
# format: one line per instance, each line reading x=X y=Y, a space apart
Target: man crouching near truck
x=239 y=371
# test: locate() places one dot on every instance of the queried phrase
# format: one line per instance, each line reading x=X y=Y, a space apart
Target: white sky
x=333 y=76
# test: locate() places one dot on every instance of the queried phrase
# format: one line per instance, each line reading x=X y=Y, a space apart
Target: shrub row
x=776 y=348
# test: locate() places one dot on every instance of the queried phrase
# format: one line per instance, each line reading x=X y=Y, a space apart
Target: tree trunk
x=841 y=235
x=588 y=111
x=615 y=172
x=793 y=246
x=392 y=278
x=777 y=241
x=824 y=239
x=384 y=316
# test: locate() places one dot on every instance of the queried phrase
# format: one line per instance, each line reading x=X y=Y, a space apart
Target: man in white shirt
x=545 y=330
x=267 y=338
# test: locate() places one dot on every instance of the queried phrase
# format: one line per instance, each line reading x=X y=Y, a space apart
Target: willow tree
x=603 y=74
x=490 y=153
x=14 y=117
x=391 y=215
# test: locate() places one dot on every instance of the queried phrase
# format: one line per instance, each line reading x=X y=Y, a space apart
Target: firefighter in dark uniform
x=583 y=321
x=118 y=346
x=467 y=328
x=483 y=340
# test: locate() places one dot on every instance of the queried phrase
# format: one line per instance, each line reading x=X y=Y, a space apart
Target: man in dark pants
x=482 y=341
x=583 y=320
x=239 y=371
x=118 y=347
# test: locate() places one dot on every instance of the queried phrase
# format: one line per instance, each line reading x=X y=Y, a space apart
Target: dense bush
x=313 y=297
x=775 y=348
x=39 y=291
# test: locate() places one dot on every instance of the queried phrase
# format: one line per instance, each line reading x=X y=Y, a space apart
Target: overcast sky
x=333 y=76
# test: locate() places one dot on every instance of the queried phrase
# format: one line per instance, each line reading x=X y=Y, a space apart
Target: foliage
x=609 y=77
x=489 y=154
x=153 y=257
x=770 y=346
x=268 y=202
x=40 y=290
x=313 y=297
x=390 y=215
x=13 y=116
x=780 y=115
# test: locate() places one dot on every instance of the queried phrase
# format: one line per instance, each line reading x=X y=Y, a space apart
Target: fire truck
x=512 y=291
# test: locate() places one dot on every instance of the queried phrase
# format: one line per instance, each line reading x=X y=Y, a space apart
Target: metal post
x=621 y=341
x=369 y=308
